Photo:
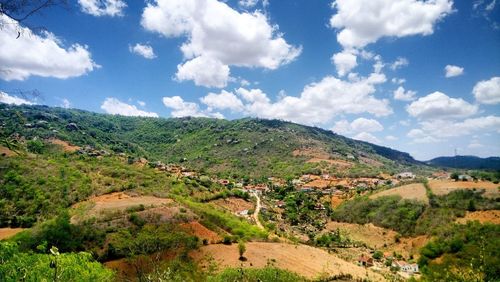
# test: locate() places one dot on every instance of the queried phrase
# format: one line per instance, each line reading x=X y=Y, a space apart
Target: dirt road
x=256 y=211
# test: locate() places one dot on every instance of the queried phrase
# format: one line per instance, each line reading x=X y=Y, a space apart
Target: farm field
x=492 y=216
x=373 y=236
x=304 y=260
x=234 y=204
x=415 y=191
x=7 y=232
x=443 y=187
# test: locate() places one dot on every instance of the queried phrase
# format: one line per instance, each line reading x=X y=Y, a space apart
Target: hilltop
x=467 y=162
x=247 y=147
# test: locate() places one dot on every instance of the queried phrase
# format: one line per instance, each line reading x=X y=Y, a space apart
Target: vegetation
x=26 y=266
x=210 y=145
x=268 y=274
x=467 y=253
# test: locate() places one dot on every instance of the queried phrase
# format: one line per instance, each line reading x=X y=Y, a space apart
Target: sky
x=418 y=76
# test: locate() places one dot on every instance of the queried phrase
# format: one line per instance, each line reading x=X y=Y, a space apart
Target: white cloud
x=474 y=144
x=487 y=91
x=116 y=107
x=40 y=55
x=143 y=50
x=404 y=95
x=204 y=71
x=180 y=108
x=396 y=80
x=363 y=22
x=65 y=103
x=399 y=63
x=248 y=3
x=223 y=101
x=440 y=130
x=367 y=137
x=141 y=103
x=8 y=99
x=438 y=105
x=358 y=125
x=102 y=7
x=344 y=61
x=219 y=36
x=391 y=138
x=452 y=71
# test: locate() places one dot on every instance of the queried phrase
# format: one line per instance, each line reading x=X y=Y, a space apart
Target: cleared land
x=65 y=145
x=6 y=233
x=373 y=236
x=304 y=260
x=234 y=204
x=201 y=232
x=492 y=216
x=443 y=187
x=415 y=191
x=118 y=201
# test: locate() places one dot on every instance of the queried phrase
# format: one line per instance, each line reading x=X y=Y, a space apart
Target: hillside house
x=406 y=267
x=365 y=261
x=405 y=175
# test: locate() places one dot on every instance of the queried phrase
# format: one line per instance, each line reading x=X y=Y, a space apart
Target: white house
x=406 y=267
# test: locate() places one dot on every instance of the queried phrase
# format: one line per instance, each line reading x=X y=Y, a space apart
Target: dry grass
x=65 y=145
x=305 y=260
x=6 y=233
x=234 y=204
x=200 y=231
x=373 y=236
x=443 y=187
x=492 y=216
x=414 y=191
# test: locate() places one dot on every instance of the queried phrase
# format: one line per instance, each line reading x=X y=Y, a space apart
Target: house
x=319 y=206
x=405 y=175
x=464 y=177
x=405 y=267
x=365 y=261
x=243 y=212
x=224 y=182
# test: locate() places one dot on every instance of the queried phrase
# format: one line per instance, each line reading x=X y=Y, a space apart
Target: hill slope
x=467 y=162
x=246 y=147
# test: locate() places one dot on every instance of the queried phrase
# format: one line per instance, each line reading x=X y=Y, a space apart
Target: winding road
x=256 y=212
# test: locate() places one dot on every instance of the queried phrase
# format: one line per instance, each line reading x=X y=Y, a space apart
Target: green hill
x=467 y=162
x=240 y=148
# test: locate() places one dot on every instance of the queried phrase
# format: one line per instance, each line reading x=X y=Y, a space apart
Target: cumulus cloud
x=391 y=138
x=358 y=125
x=438 y=105
x=440 y=130
x=363 y=22
x=318 y=103
x=65 y=103
x=344 y=61
x=143 y=50
x=404 y=95
x=100 y=8
x=116 y=107
x=367 y=137
x=248 y=3
x=487 y=91
x=204 y=71
x=14 y=100
x=224 y=100
x=141 y=103
x=217 y=37
x=399 y=63
x=452 y=71
x=181 y=108
x=40 y=55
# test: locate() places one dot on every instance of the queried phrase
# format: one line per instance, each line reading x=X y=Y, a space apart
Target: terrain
x=110 y=198
x=467 y=162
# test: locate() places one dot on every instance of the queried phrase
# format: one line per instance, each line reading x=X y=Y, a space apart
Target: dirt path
x=6 y=233
x=305 y=260
x=256 y=212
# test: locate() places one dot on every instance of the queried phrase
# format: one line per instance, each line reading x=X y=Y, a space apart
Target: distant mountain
x=467 y=162
x=245 y=147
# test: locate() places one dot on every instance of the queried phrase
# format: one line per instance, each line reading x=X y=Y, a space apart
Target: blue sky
x=419 y=76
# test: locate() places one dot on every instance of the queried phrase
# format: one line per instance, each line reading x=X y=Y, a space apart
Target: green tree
x=241 y=249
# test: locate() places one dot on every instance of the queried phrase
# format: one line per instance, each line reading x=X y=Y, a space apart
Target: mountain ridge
x=467 y=162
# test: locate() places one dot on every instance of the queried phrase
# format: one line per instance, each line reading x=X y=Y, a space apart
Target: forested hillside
x=240 y=148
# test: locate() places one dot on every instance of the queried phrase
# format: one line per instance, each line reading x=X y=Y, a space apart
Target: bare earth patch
x=415 y=191
x=492 y=216
x=409 y=246
x=373 y=236
x=65 y=145
x=119 y=201
x=200 y=231
x=4 y=151
x=304 y=260
x=234 y=204
x=6 y=233
x=443 y=187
